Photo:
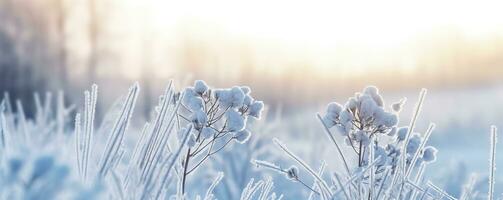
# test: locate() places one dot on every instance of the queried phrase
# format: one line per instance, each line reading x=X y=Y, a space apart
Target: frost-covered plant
x=153 y=168
x=385 y=156
x=219 y=117
x=362 y=119
x=235 y=161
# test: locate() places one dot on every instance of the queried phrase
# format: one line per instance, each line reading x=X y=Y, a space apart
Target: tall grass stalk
x=492 y=162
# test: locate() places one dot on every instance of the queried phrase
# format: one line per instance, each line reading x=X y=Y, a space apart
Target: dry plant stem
x=412 y=125
x=298 y=160
x=327 y=130
x=185 y=167
x=492 y=163
x=279 y=169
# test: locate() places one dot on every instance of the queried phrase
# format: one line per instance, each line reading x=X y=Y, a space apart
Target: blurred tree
x=26 y=50
x=94 y=26
x=61 y=17
x=146 y=70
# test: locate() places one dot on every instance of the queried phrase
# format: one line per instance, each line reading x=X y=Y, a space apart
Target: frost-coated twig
x=356 y=176
x=116 y=137
x=209 y=192
x=442 y=192
x=171 y=163
x=77 y=133
x=371 y=174
x=3 y=128
x=468 y=188
x=316 y=183
x=383 y=182
x=134 y=159
x=418 y=151
x=412 y=125
x=22 y=121
x=418 y=178
x=307 y=167
x=277 y=168
x=343 y=188
x=154 y=141
x=162 y=143
x=492 y=162
x=89 y=115
x=251 y=189
x=327 y=130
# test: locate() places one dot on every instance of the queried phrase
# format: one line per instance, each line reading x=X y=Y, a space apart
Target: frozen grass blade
x=3 y=129
x=327 y=130
x=298 y=160
x=117 y=134
x=152 y=146
x=442 y=192
x=412 y=125
x=468 y=188
x=343 y=188
x=172 y=162
x=316 y=183
x=251 y=189
x=492 y=162
x=77 y=133
x=22 y=122
x=89 y=115
x=209 y=192
x=418 y=151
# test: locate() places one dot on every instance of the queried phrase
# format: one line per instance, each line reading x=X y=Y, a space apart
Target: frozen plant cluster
x=218 y=117
x=389 y=161
x=363 y=119
x=85 y=162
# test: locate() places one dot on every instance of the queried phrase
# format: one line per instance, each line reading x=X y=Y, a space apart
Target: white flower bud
x=345 y=116
x=397 y=107
x=414 y=143
x=430 y=154
x=192 y=141
x=402 y=133
x=207 y=132
x=246 y=90
x=292 y=173
x=238 y=97
x=371 y=90
x=255 y=109
x=367 y=107
x=351 y=104
x=248 y=100
x=199 y=118
x=242 y=136
x=195 y=103
x=200 y=87
x=235 y=122
x=341 y=130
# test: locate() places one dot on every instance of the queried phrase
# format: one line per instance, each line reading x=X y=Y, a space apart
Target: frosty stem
x=185 y=167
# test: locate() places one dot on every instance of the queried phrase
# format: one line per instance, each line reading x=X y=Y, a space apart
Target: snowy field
x=233 y=155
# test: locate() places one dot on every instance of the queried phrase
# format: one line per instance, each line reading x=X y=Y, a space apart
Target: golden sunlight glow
x=380 y=31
